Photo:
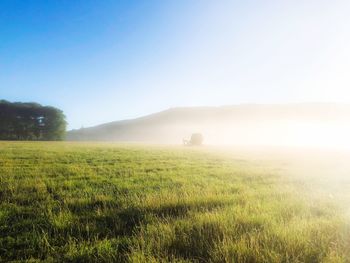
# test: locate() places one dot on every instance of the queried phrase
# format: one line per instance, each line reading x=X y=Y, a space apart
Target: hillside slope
x=234 y=124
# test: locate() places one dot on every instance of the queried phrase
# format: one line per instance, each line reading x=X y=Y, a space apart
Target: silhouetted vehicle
x=196 y=140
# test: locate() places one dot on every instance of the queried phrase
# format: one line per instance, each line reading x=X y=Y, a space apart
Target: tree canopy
x=31 y=121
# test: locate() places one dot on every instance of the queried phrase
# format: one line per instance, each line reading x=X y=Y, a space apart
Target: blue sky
x=102 y=61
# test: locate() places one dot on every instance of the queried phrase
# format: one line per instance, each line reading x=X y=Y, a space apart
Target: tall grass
x=75 y=202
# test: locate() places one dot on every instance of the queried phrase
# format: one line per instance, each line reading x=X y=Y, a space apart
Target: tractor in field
x=196 y=140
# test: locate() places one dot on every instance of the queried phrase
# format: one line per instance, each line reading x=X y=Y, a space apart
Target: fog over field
x=314 y=125
x=113 y=202
x=180 y=131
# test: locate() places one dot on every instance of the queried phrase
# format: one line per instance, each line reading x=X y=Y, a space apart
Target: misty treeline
x=31 y=121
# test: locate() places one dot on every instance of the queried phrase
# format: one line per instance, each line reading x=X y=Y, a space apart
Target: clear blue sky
x=102 y=61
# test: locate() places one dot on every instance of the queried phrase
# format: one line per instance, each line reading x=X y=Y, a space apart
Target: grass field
x=75 y=202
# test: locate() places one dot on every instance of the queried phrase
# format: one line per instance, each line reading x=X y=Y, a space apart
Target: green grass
x=75 y=202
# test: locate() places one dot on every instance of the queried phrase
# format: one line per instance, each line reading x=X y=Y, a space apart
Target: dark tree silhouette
x=30 y=121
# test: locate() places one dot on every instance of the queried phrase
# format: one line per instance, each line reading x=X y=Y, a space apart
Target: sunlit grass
x=80 y=202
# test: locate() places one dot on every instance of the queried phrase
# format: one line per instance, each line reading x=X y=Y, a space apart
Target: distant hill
x=247 y=123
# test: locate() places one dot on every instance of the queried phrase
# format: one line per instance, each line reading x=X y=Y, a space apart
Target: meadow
x=89 y=202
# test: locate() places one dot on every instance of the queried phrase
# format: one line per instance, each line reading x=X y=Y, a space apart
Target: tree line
x=31 y=121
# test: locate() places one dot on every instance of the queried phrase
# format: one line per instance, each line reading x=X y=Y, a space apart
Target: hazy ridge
x=234 y=124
